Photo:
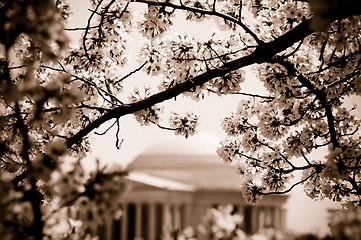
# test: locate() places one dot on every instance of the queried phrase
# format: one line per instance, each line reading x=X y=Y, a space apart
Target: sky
x=303 y=214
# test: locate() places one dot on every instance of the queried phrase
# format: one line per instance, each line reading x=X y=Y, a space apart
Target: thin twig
x=106 y=130
x=118 y=143
x=254 y=95
x=293 y=186
x=131 y=73
x=163 y=127
x=87 y=29
x=205 y=12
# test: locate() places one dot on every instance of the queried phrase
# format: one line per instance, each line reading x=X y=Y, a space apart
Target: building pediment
x=146 y=181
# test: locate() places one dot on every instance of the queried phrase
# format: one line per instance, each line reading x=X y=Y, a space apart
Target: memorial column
x=124 y=222
x=151 y=222
x=138 y=221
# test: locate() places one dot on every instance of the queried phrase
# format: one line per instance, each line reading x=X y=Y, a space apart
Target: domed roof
x=200 y=144
x=193 y=162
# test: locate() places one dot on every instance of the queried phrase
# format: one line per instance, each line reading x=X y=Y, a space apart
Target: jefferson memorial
x=173 y=183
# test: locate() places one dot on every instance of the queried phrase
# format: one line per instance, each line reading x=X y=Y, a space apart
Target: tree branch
x=320 y=94
x=293 y=186
x=87 y=30
x=263 y=53
x=131 y=73
x=254 y=95
x=205 y=12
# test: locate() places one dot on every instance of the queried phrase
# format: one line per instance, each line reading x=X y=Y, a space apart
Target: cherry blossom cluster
x=188 y=57
x=184 y=125
x=221 y=223
x=82 y=201
x=273 y=135
x=149 y=115
x=156 y=22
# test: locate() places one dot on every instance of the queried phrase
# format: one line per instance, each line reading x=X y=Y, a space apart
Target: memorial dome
x=192 y=162
x=200 y=144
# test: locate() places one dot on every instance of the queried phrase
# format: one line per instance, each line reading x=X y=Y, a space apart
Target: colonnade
x=155 y=221
x=150 y=221
x=267 y=217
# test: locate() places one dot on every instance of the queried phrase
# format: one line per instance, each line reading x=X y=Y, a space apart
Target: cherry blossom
x=184 y=125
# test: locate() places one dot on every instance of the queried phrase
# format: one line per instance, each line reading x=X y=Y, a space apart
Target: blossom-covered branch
x=261 y=54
